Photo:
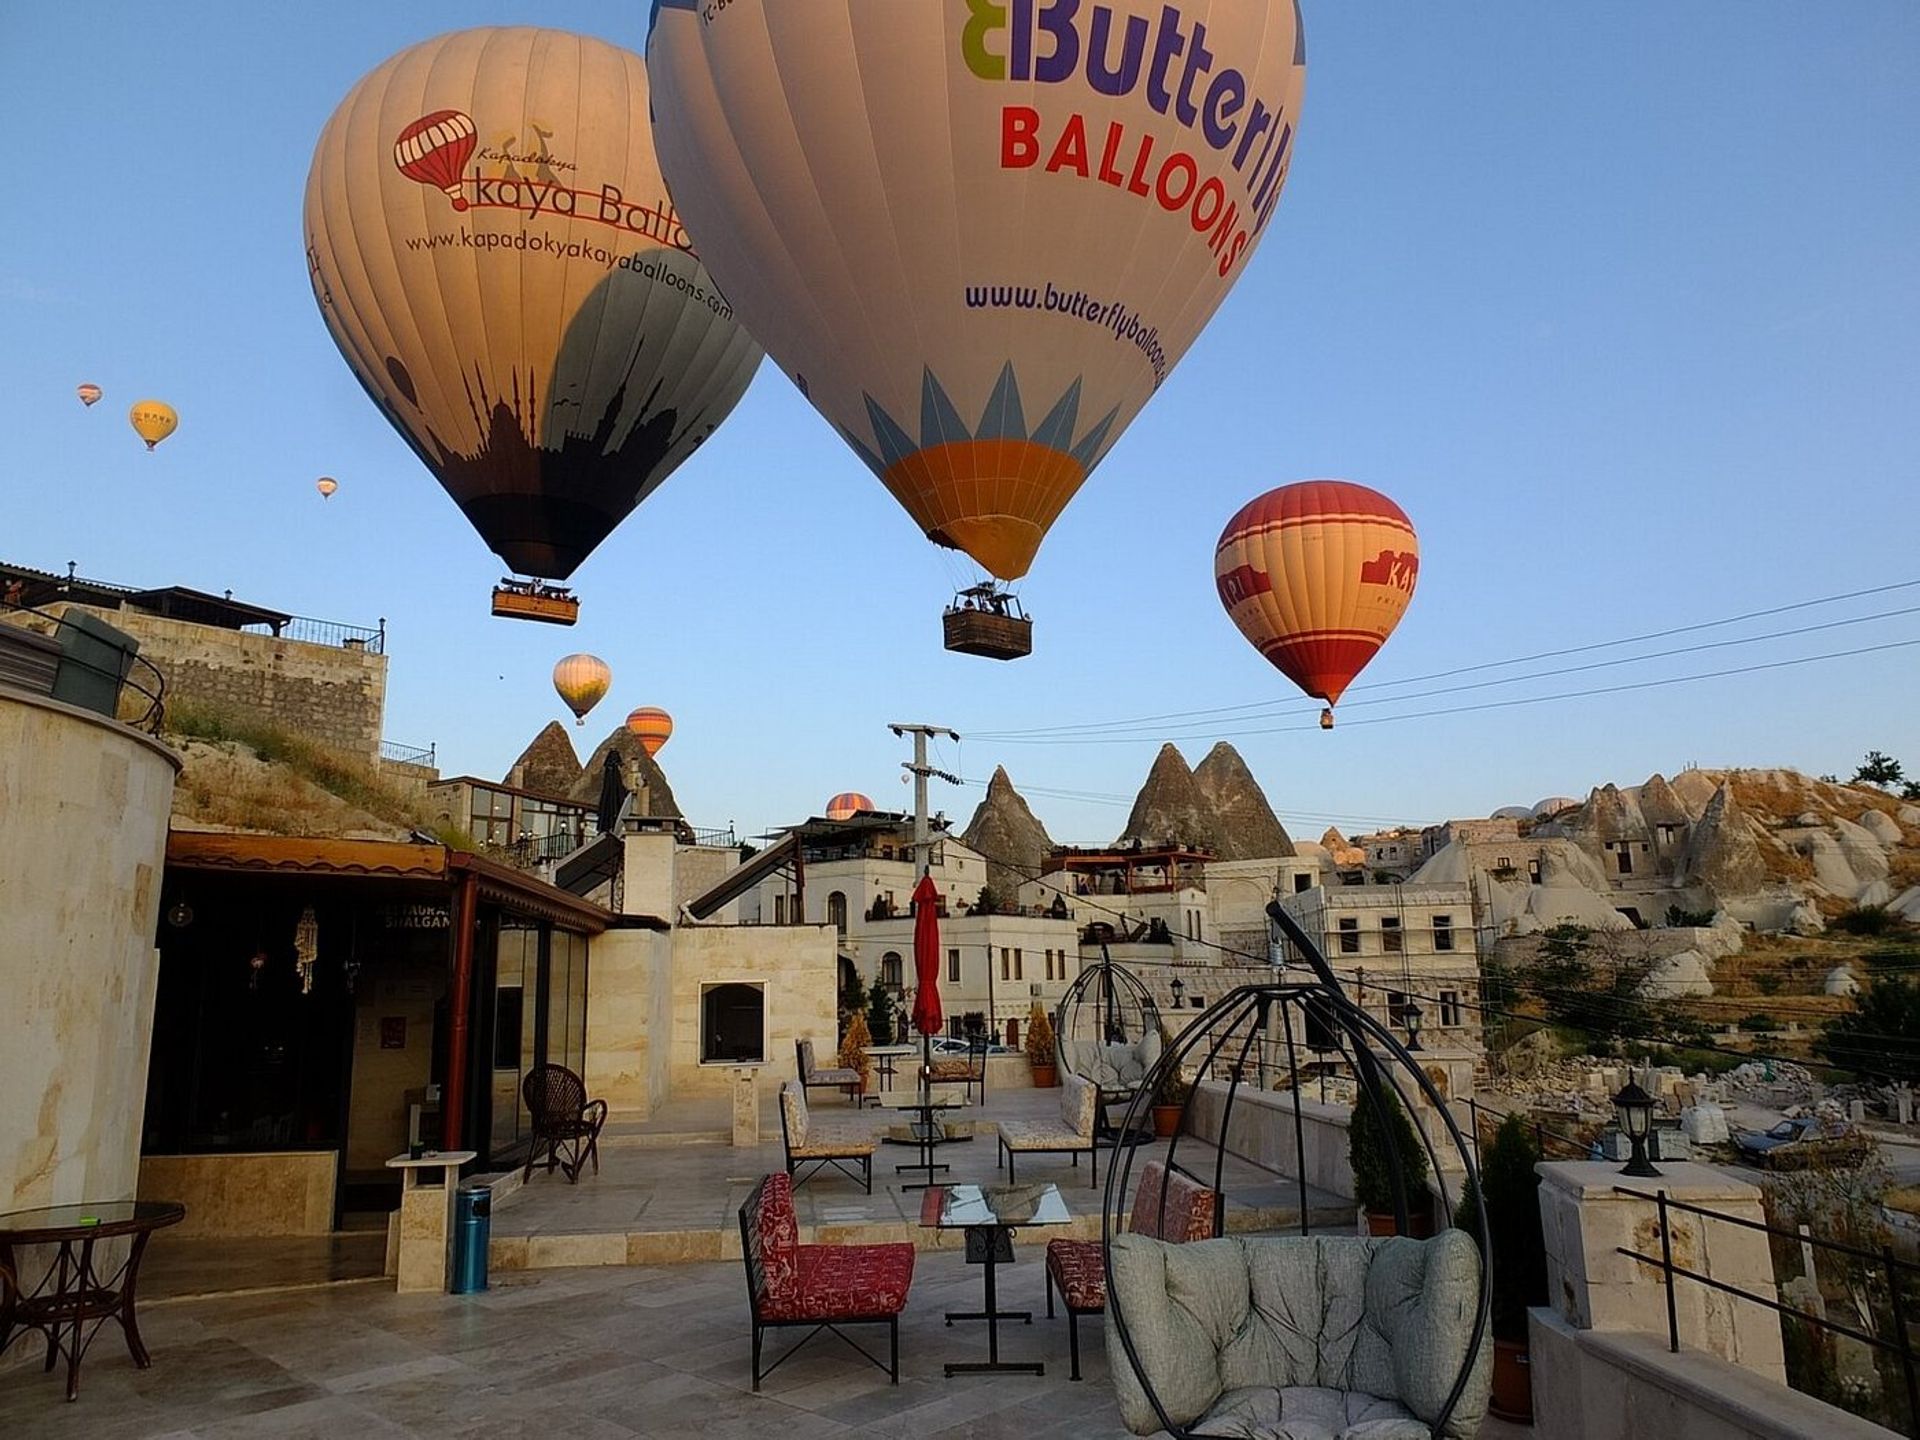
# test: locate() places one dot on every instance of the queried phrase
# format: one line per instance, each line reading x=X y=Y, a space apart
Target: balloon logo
x=435 y=150
x=977 y=235
x=89 y=394
x=651 y=727
x=582 y=681
x=326 y=485
x=847 y=804
x=153 y=421
x=1317 y=575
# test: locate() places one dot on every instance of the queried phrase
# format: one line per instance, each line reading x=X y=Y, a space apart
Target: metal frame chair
x=974 y=1074
x=836 y=1156
x=564 y=1120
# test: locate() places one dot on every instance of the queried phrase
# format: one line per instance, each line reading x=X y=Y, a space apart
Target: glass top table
x=925 y=1132
x=989 y=1214
x=916 y=1100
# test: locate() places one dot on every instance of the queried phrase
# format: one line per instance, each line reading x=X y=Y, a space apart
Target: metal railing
x=140 y=677
x=335 y=633
x=1573 y=1145
x=1902 y=1342
x=407 y=754
x=534 y=849
x=718 y=839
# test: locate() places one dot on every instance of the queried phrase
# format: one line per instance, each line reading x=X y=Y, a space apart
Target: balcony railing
x=716 y=839
x=407 y=754
x=335 y=633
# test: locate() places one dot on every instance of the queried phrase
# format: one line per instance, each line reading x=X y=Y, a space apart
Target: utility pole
x=920 y=770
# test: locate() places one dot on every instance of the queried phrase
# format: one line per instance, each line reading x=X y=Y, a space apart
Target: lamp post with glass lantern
x=1634 y=1109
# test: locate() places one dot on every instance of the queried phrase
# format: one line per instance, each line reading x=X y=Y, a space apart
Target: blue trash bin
x=472 y=1224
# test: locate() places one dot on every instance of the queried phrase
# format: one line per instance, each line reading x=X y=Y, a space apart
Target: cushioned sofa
x=1299 y=1338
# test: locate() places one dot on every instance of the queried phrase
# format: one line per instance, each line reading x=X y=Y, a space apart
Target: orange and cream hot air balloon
x=89 y=393
x=326 y=485
x=582 y=681
x=652 y=726
x=153 y=420
x=1317 y=575
x=847 y=804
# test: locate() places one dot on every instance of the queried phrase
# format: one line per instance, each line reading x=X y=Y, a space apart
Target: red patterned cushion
x=845 y=1282
x=1078 y=1273
x=776 y=1235
x=1186 y=1215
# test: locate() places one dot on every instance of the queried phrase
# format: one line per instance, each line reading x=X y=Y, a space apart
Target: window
x=953 y=967
x=733 y=1024
x=1019 y=965
x=1397 y=1007
x=1533 y=871
x=780 y=909
x=1302 y=882
x=1006 y=963
x=1349 y=935
x=890 y=968
x=1450 y=1009
x=1443 y=932
x=492 y=816
x=837 y=911
x=1390 y=934
x=1624 y=855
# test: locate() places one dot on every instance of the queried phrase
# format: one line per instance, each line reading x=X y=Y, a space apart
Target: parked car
x=1802 y=1143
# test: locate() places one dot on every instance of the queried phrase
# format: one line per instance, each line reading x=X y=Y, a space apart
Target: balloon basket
x=530 y=600
x=988 y=622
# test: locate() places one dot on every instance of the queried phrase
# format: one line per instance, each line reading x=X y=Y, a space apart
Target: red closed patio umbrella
x=927 y=1018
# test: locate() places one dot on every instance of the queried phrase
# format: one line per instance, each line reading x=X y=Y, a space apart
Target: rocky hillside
x=549 y=765
x=623 y=742
x=1006 y=831
x=1245 y=826
x=233 y=785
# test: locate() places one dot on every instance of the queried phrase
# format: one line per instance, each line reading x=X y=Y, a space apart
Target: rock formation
x=1686 y=973
x=1244 y=823
x=624 y=743
x=1170 y=807
x=549 y=765
x=1660 y=805
x=1008 y=833
x=1721 y=853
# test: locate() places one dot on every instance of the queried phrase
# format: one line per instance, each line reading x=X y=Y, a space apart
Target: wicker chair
x=565 y=1121
x=970 y=1072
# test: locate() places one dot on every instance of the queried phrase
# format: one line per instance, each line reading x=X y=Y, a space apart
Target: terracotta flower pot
x=1419 y=1223
x=1512 y=1382
x=1045 y=1077
x=1166 y=1120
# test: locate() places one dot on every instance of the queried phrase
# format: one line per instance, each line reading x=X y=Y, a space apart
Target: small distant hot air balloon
x=89 y=393
x=652 y=726
x=153 y=420
x=582 y=680
x=1317 y=575
x=847 y=804
x=326 y=485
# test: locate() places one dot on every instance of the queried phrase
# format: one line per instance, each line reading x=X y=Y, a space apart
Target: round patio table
x=73 y=1300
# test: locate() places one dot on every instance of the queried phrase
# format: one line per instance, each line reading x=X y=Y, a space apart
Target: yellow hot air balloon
x=89 y=394
x=528 y=311
x=1317 y=575
x=652 y=726
x=153 y=421
x=326 y=485
x=582 y=681
x=977 y=235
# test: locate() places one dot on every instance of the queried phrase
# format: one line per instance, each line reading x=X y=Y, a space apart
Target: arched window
x=733 y=1024
x=837 y=911
x=890 y=968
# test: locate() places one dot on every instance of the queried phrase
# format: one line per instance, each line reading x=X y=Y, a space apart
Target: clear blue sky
x=1622 y=305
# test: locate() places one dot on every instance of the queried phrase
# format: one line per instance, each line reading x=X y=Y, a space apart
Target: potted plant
x=1041 y=1055
x=1170 y=1097
x=1376 y=1128
x=1517 y=1281
x=853 y=1050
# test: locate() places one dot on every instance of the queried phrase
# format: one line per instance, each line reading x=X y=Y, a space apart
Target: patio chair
x=1177 y=1209
x=1299 y=1335
x=1071 y=1134
x=970 y=1071
x=812 y=1077
x=812 y=1142
x=565 y=1121
x=822 y=1287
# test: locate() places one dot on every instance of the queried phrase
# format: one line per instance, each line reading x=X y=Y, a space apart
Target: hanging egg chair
x=1278 y=1320
x=1108 y=1032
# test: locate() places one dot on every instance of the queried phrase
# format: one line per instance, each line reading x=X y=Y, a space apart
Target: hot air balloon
x=153 y=421
x=582 y=681
x=89 y=394
x=847 y=804
x=528 y=313
x=1317 y=575
x=977 y=236
x=652 y=726
x=326 y=485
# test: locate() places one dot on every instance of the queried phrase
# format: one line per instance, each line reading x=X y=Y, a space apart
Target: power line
x=1467 y=669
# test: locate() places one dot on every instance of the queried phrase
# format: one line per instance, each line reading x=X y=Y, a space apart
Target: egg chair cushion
x=1375 y=1320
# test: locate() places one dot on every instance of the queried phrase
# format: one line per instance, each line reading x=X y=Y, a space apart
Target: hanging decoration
x=306 y=948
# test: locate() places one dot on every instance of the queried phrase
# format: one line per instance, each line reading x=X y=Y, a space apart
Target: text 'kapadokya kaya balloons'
x=1317 y=575
x=977 y=233
x=652 y=726
x=153 y=420
x=493 y=250
x=582 y=681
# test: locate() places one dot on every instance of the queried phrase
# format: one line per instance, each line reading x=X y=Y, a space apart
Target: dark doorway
x=733 y=1022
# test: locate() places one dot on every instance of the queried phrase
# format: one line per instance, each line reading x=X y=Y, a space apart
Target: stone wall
x=335 y=695
x=627 y=977
x=261 y=1193
x=798 y=966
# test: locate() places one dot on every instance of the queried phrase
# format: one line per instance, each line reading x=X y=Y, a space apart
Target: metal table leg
x=991 y=1246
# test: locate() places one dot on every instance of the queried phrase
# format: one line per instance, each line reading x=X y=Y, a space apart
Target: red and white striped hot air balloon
x=847 y=804
x=435 y=150
x=1317 y=575
x=651 y=726
x=89 y=393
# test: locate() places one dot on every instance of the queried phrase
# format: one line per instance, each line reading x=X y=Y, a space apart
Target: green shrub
x=1758 y=1022
x=1868 y=920
x=1509 y=1185
x=1374 y=1129
x=1678 y=919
